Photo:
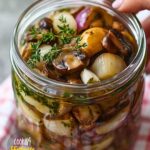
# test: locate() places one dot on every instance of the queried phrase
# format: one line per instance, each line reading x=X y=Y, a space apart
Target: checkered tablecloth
x=7 y=116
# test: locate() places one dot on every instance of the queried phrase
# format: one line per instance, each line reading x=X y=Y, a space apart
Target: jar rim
x=125 y=75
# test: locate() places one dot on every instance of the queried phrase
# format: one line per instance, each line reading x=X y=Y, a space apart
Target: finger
x=131 y=5
x=146 y=27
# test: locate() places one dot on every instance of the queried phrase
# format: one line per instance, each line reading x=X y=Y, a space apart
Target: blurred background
x=10 y=10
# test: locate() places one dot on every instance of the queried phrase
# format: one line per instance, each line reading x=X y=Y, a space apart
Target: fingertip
x=117 y=4
x=122 y=5
x=130 y=6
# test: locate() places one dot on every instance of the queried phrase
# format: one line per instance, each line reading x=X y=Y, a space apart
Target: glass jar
x=60 y=116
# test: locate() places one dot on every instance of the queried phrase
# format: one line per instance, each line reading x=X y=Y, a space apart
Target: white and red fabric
x=7 y=116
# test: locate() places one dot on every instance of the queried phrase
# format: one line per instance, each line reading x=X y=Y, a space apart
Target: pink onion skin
x=83 y=20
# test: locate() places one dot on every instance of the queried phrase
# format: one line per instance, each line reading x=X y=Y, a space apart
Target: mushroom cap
x=92 y=38
x=70 y=61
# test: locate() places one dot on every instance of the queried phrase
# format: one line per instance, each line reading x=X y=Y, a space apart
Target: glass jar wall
x=60 y=116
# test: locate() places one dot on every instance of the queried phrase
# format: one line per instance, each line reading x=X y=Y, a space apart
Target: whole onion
x=84 y=18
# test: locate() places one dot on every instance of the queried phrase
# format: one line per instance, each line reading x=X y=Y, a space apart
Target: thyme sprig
x=66 y=33
x=65 y=29
x=49 y=36
x=34 y=59
x=63 y=19
x=65 y=36
x=36 y=46
x=34 y=31
x=52 y=54
x=78 y=45
x=35 y=56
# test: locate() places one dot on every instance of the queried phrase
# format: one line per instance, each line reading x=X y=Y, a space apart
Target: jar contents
x=78 y=46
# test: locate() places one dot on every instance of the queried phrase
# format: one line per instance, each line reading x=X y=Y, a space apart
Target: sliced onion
x=39 y=106
x=32 y=114
x=113 y=123
x=88 y=76
x=63 y=107
x=60 y=126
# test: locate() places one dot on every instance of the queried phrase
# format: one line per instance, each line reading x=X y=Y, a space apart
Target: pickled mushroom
x=46 y=23
x=123 y=45
x=68 y=62
x=87 y=114
x=92 y=37
x=88 y=47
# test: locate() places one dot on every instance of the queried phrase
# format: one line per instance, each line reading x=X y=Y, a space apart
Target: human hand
x=130 y=6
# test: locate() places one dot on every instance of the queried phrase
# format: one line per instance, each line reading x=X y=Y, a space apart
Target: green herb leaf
x=50 y=36
x=67 y=125
x=54 y=107
x=65 y=39
x=66 y=33
x=78 y=46
x=65 y=29
x=23 y=88
x=34 y=59
x=35 y=46
x=52 y=54
x=62 y=19
x=34 y=31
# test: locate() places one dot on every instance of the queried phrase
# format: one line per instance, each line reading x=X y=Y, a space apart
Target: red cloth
x=7 y=117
